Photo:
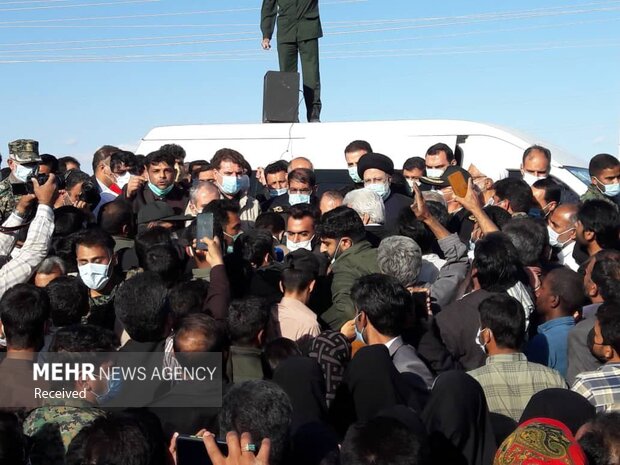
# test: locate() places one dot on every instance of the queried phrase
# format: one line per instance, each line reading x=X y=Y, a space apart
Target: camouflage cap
x=24 y=151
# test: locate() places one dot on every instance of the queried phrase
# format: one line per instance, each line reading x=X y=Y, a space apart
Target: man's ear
x=311 y=286
x=2 y=330
x=453 y=162
x=365 y=218
x=261 y=337
x=589 y=235
x=555 y=300
x=345 y=243
x=281 y=287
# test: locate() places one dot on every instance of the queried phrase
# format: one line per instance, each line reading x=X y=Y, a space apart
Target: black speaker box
x=281 y=97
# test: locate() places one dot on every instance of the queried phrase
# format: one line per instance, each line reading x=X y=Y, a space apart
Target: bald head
x=330 y=200
x=201 y=195
x=197 y=332
x=300 y=162
x=565 y=214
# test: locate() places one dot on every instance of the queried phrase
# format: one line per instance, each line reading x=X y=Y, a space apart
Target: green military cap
x=24 y=151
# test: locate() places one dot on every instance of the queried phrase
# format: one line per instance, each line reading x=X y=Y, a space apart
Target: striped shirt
x=509 y=381
x=601 y=387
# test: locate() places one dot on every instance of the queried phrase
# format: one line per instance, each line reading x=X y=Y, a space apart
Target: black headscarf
x=458 y=422
x=562 y=405
x=332 y=351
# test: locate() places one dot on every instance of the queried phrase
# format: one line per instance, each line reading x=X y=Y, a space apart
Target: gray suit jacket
x=580 y=358
x=406 y=360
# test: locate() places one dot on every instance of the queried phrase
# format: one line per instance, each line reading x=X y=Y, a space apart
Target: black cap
x=304 y=260
x=159 y=211
x=377 y=161
x=442 y=181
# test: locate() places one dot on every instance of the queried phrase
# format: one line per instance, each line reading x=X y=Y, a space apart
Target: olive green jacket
x=298 y=20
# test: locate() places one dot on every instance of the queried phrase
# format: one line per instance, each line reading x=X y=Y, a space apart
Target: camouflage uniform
x=594 y=194
x=68 y=419
x=22 y=151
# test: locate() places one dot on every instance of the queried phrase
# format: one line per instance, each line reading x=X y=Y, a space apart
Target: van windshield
x=582 y=173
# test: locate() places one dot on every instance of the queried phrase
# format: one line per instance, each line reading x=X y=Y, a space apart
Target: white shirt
x=106 y=196
x=389 y=343
x=566 y=257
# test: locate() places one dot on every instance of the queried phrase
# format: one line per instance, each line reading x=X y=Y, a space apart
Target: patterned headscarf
x=332 y=351
x=540 y=441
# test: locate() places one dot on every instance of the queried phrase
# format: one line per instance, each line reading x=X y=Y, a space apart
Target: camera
x=90 y=194
x=42 y=179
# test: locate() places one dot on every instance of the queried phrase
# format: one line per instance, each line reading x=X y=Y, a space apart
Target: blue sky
x=77 y=74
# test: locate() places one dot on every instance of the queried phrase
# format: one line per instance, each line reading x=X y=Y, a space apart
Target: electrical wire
x=80 y=5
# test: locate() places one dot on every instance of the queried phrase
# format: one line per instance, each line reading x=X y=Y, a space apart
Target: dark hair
x=13 y=444
x=84 y=338
x=603 y=219
x=439 y=211
x=68 y=300
x=606 y=274
x=270 y=221
x=220 y=209
x=50 y=161
x=384 y=301
x=435 y=149
x=545 y=151
x=568 y=286
x=75 y=177
x=608 y=315
x=175 y=150
x=115 y=439
x=382 y=441
x=140 y=163
x=205 y=332
x=601 y=439
x=278 y=350
x=102 y=154
x=150 y=238
x=342 y=222
x=517 y=192
x=498 y=215
x=302 y=210
x=530 y=237
x=601 y=162
x=303 y=175
x=409 y=226
x=262 y=409
x=68 y=220
x=188 y=297
x=254 y=245
x=141 y=304
x=123 y=157
x=505 y=317
x=553 y=191
x=246 y=318
x=295 y=279
x=497 y=262
x=157 y=157
x=414 y=163
x=164 y=260
x=113 y=216
x=24 y=309
x=358 y=145
x=94 y=237
x=276 y=167
x=227 y=155
x=62 y=163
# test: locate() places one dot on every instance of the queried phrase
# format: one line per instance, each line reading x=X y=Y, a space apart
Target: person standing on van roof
x=233 y=183
x=605 y=177
x=299 y=30
x=376 y=171
x=352 y=154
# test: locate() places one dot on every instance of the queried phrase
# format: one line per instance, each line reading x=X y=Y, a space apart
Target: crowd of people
x=388 y=321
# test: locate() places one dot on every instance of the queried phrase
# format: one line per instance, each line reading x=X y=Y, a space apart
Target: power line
x=80 y=5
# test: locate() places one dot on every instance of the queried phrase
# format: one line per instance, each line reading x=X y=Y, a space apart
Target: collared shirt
x=32 y=253
x=550 y=345
x=601 y=387
x=509 y=381
x=566 y=257
x=107 y=196
x=389 y=343
x=296 y=320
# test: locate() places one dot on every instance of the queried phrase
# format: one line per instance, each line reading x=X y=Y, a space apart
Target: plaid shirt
x=601 y=387
x=509 y=382
x=32 y=253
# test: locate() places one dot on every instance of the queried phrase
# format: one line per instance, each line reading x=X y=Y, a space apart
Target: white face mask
x=121 y=181
x=94 y=275
x=22 y=172
x=293 y=246
x=480 y=344
x=530 y=179
x=411 y=182
x=554 y=237
x=434 y=172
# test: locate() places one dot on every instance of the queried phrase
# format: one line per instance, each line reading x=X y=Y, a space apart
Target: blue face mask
x=610 y=190
x=159 y=192
x=359 y=335
x=230 y=249
x=382 y=189
x=277 y=192
x=353 y=175
x=295 y=199
x=244 y=183
x=230 y=185
x=114 y=387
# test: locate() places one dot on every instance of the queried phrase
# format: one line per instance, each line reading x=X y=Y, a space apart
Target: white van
x=497 y=152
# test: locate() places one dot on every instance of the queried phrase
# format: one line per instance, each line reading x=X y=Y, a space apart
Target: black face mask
x=591 y=346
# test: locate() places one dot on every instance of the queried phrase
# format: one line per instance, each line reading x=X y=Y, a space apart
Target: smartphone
x=458 y=183
x=204 y=228
x=191 y=450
